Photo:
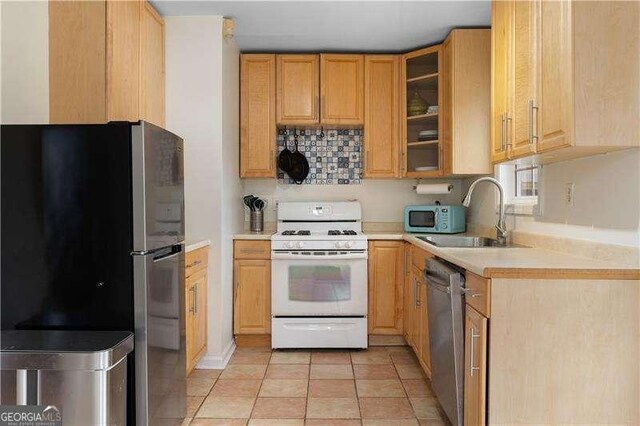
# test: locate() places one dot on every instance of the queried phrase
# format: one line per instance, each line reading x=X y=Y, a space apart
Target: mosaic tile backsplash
x=333 y=159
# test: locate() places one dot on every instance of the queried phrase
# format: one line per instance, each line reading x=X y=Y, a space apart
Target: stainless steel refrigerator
x=92 y=239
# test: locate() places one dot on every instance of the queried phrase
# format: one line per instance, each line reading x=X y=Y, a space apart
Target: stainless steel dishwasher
x=445 y=287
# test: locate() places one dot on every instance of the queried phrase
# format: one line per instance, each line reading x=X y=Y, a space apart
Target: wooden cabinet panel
x=151 y=66
x=554 y=118
x=501 y=34
x=478 y=293
x=252 y=297
x=524 y=77
x=342 y=89
x=298 y=83
x=386 y=277
x=247 y=249
x=196 y=324
x=410 y=311
x=123 y=60
x=408 y=295
x=77 y=62
x=196 y=260
x=425 y=349
x=381 y=116
x=419 y=257
x=466 y=98
x=257 y=115
x=475 y=368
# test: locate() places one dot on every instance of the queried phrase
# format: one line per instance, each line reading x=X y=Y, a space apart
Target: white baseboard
x=209 y=362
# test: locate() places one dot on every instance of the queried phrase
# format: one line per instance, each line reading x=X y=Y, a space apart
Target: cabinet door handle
x=503 y=141
x=532 y=135
x=324 y=108
x=317 y=111
x=473 y=335
x=406 y=261
x=415 y=299
x=192 y=309
x=417 y=286
x=195 y=298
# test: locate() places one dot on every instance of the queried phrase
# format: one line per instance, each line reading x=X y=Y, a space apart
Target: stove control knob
x=338 y=244
x=291 y=244
x=300 y=244
x=348 y=244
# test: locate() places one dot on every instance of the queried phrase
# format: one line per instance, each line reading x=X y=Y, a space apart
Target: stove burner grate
x=347 y=232
x=302 y=232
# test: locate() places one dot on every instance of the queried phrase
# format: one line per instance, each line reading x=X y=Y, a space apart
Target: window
x=525 y=181
x=521 y=187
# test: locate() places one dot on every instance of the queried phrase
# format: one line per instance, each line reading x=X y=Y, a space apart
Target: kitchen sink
x=459 y=241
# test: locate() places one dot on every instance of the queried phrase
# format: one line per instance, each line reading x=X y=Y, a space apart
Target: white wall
x=231 y=200
x=24 y=62
x=606 y=200
x=382 y=200
x=201 y=106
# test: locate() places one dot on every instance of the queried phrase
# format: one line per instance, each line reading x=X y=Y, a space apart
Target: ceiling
x=364 y=26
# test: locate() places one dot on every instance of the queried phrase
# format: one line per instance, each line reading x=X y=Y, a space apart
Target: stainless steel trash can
x=83 y=374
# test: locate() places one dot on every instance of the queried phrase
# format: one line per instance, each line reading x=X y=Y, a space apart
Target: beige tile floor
x=378 y=386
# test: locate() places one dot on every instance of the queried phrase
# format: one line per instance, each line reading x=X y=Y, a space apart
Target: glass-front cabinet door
x=421 y=130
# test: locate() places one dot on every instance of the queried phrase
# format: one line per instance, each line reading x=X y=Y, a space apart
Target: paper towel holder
x=418 y=182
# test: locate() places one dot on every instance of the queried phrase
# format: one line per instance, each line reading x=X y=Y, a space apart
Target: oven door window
x=319 y=283
x=422 y=219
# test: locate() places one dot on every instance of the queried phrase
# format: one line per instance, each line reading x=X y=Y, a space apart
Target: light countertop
x=525 y=262
x=264 y=235
x=191 y=245
x=511 y=262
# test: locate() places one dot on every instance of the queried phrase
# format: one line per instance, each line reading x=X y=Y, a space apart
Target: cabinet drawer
x=196 y=260
x=246 y=249
x=478 y=293
x=419 y=257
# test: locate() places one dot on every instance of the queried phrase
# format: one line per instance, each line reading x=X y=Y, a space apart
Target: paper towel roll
x=434 y=188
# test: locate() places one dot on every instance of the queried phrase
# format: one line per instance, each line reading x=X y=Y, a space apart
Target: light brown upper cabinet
x=103 y=57
x=574 y=66
x=501 y=18
x=342 y=89
x=151 y=66
x=466 y=99
x=381 y=116
x=123 y=60
x=298 y=90
x=257 y=115
x=421 y=149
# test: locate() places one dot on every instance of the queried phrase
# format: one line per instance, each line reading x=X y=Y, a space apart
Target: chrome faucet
x=501 y=230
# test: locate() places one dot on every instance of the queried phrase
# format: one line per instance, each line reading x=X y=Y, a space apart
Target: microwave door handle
x=436 y=225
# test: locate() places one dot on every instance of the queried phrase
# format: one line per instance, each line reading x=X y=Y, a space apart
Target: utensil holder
x=256 y=221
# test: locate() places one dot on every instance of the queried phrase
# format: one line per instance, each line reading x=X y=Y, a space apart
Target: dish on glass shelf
x=426 y=168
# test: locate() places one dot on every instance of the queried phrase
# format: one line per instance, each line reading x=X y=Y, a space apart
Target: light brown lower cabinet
x=196 y=306
x=252 y=288
x=475 y=368
x=386 y=275
x=408 y=296
x=415 y=319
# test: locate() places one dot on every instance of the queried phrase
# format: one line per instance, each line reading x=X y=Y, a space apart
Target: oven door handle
x=288 y=256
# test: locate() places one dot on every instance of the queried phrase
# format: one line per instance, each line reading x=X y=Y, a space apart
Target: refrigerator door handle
x=160 y=254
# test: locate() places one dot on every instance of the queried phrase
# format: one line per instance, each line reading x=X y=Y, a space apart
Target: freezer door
x=158 y=187
x=160 y=337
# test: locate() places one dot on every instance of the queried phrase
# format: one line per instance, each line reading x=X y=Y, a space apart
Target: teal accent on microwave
x=435 y=219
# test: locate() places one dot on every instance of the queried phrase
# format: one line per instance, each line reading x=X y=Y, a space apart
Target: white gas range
x=319 y=276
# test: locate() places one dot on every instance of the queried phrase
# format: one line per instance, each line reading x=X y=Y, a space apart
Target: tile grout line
x=355 y=384
x=415 y=416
